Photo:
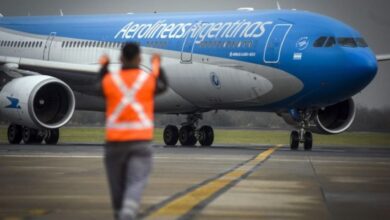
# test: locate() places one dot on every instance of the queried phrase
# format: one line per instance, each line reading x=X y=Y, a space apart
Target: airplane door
x=275 y=42
x=49 y=42
x=189 y=44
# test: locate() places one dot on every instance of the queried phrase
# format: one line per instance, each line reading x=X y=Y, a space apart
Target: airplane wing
x=383 y=57
x=80 y=77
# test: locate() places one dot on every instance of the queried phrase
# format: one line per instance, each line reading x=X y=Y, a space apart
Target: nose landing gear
x=302 y=136
x=189 y=134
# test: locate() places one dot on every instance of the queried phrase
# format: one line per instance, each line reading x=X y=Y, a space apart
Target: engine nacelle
x=41 y=102
x=333 y=119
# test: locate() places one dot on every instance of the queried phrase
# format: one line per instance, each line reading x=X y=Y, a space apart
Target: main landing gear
x=17 y=133
x=189 y=134
x=302 y=135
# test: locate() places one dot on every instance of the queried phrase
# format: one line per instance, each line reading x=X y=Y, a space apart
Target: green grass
x=239 y=137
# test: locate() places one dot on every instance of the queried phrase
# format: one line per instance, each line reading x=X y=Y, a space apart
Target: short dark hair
x=130 y=51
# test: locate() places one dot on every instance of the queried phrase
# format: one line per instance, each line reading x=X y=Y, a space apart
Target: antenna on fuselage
x=278 y=5
x=61 y=12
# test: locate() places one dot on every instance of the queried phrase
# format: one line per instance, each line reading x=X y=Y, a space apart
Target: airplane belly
x=208 y=86
x=211 y=86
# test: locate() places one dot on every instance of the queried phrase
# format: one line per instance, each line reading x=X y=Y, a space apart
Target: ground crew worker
x=129 y=97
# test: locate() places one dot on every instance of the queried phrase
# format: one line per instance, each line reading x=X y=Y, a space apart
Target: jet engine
x=333 y=119
x=41 y=102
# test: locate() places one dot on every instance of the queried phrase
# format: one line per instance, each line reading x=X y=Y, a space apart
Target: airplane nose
x=364 y=67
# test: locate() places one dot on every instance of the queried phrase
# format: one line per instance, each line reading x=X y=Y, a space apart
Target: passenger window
x=361 y=42
x=347 y=42
x=331 y=42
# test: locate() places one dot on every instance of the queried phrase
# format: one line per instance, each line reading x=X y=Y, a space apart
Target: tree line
x=367 y=119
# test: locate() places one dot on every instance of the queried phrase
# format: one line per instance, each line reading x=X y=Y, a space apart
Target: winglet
x=278 y=5
x=383 y=57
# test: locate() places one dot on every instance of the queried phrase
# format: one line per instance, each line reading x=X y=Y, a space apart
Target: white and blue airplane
x=303 y=66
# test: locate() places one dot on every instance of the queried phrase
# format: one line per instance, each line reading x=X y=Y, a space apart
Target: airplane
x=303 y=66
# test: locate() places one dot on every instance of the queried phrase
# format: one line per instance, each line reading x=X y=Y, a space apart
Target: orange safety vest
x=130 y=104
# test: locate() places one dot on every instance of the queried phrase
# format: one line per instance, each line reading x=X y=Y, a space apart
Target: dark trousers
x=128 y=165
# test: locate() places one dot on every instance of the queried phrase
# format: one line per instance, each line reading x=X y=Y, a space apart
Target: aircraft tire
x=187 y=136
x=53 y=136
x=308 y=144
x=171 y=135
x=206 y=136
x=294 y=140
x=30 y=136
x=14 y=134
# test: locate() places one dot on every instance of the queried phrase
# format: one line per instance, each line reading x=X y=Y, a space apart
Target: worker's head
x=131 y=55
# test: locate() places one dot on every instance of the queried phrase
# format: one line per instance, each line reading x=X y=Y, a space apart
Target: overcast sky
x=371 y=18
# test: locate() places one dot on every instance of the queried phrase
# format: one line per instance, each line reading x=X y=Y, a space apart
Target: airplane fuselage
x=257 y=61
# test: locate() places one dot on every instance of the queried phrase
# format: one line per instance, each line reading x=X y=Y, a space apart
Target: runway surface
x=222 y=182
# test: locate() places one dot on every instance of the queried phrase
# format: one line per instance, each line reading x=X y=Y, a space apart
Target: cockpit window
x=361 y=42
x=347 y=42
x=331 y=42
x=320 y=42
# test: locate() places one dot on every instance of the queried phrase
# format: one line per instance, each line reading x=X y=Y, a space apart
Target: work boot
x=128 y=211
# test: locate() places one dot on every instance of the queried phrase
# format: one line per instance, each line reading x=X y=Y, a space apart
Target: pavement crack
x=322 y=190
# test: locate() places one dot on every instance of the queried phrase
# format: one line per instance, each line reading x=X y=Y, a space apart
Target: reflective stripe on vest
x=128 y=99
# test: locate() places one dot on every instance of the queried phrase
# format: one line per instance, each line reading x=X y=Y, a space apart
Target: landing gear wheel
x=294 y=140
x=14 y=134
x=52 y=136
x=308 y=144
x=171 y=135
x=187 y=136
x=206 y=136
x=30 y=135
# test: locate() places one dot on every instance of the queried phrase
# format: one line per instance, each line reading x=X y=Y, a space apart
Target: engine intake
x=333 y=119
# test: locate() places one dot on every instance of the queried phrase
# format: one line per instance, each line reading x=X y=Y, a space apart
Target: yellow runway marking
x=185 y=203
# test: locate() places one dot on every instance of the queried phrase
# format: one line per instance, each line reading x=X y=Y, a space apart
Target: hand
x=156 y=57
x=104 y=60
